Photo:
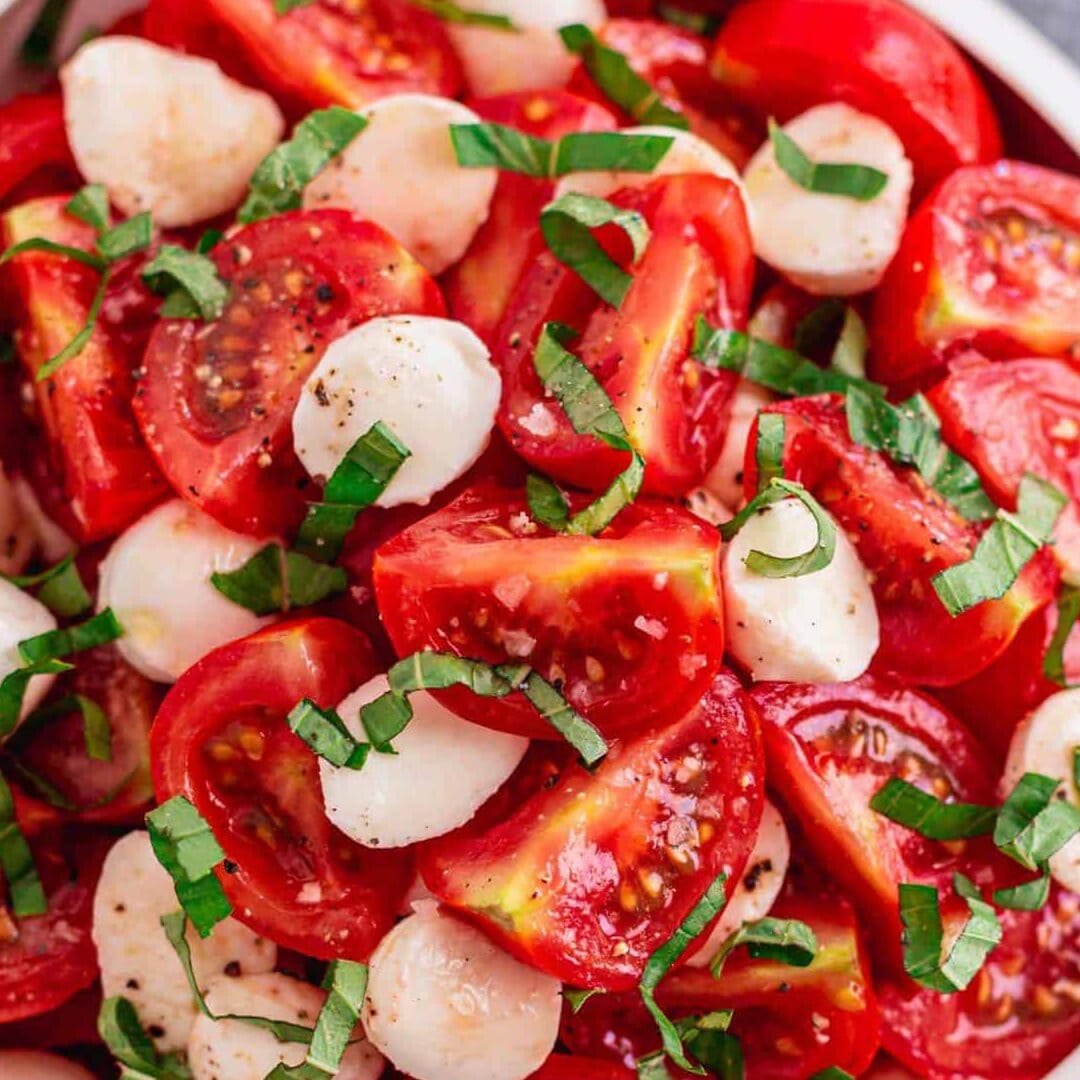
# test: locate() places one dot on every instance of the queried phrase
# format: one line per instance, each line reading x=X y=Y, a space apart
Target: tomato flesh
x=32 y=138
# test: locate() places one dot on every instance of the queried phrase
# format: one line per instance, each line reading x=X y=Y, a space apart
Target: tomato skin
x=933 y=301
x=573 y=607
x=1015 y=1020
x=32 y=137
x=228 y=449
x=781 y=57
x=221 y=740
x=904 y=533
x=479 y=287
x=565 y=1067
x=698 y=262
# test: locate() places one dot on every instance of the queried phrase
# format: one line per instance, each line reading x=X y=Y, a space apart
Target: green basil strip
x=833 y=1072
x=186 y=846
x=695 y=21
x=912 y=807
x=610 y=151
x=862 y=182
x=97 y=731
x=43 y=788
x=576 y=997
x=79 y=342
x=208 y=241
x=60 y=588
x=652 y=1066
x=788 y=941
x=1068 y=611
x=849 y=353
x=547 y=503
x=120 y=1030
x=8 y=351
x=453 y=13
x=769 y=449
x=1030 y=896
x=1076 y=769
x=37 y=48
x=99 y=629
x=715 y=1048
x=924 y=933
x=361 y=477
x=131 y=235
x=25 y=893
x=618 y=81
x=497 y=146
x=39 y=243
x=91 y=206
x=557 y=712
x=325 y=732
x=1004 y=549
x=283 y=7
x=665 y=957
x=911 y=435
x=189 y=281
x=275 y=579
x=13 y=690
x=279 y=181
x=1032 y=825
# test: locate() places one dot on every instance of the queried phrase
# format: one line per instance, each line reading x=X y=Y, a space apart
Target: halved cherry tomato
x=344 y=52
x=698 y=262
x=73 y=1022
x=990 y=260
x=628 y=624
x=216 y=401
x=588 y=878
x=904 y=533
x=32 y=137
x=791 y=1022
x=479 y=287
x=780 y=57
x=1018 y=1018
x=104 y=476
x=221 y=740
x=565 y=1067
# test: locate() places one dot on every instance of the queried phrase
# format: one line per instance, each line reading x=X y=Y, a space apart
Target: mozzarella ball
x=445 y=1003
x=760 y=884
x=444 y=769
x=22 y=617
x=156 y=578
x=135 y=957
x=724 y=481
x=37 y=1065
x=17 y=539
x=533 y=58
x=49 y=539
x=821 y=627
x=164 y=131
x=402 y=173
x=830 y=245
x=429 y=380
x=233 y=1050
x=1045 y=743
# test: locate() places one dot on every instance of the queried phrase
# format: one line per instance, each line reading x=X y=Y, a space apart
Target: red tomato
x=1018 y=1018
x=781 y=57
x=592 y=875
x=216 y=401
x=698 y=262
x=220 y=739
x=479 y=287
x=104 y=476
x=564 y=1067
x=831 y=747
x=904 y=533
x=73 y=1022
x=344 y=52
x=791 y=1022
x=992 y=260
x=609 y=619
x=32 y=137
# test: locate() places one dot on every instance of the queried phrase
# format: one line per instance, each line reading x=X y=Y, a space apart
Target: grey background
x=1059 y=20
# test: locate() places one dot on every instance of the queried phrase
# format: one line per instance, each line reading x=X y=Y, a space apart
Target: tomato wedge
x=699 y=262
x=216 y=401
x=904 y=533
x=592 y=875
x=629 y=624
x=780 y=57
x=479 y=287
x=565 y=1067
x=220 y=739
x=94 y=473
x=990 y=260
x=32 y=137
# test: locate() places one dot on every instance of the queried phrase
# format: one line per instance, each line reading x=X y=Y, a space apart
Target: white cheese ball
x=21 y=617
x=443 y=770
x=156 y=578
x=135 y=957
x=820 y=627
x=445 y=1003
x=429 y=380
x=164 y=131
x=724 y=481
x=830 y=245
x=402 y=173
x=37 y=1065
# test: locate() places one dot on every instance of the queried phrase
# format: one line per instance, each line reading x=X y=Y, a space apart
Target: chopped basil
x=924 y=934
x=789 y=941
x=279 y=181
x=99 y=629
x=91 y=206
x=79 y=342
x=497 y=146
x=361 y=477
x=453 y=13
x=7 y=349
x=1032 y=825
x=547 y=503
x=833 y=1072
x=1029 y=896
x=25 y=894
x=325 y=732
x=208 y=241
x=618 y=81
x=37 y=48
x=696 y=22
x=276 y=579
x=188 y=281
x=49 y=247
x=283 y=7
x=610 y=151
x=1004 y=549
x=97 y=731
x=556 y=711
x=125 y=239
x=862 y=182
x=912 y=807
x=60 y=588
x=120 y=1030
x=1076 y=769
x=1068 y=611
x=186 y=846
x=838 y=328
x=715 y=1048
x=13 y=690
x=575 y=997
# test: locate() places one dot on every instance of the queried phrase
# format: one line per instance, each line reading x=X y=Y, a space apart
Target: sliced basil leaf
x=275 y=579
x=453 y=13
x=325 y=732
x=283 y=7
x=60 y=588
x=618 y=81
x=439 y=671
x=556 y=711
x=208 y=241
x=718 y=1050
x=788 y=941
x=120 y=1030
x=91 y=206
x=1032 y=825
x=575 y=997
x=610 y=151
x=189 y=282
x=131 y=235
x=769 y=449
x=186 y=846
x=25 y=893
x=547 y=503
x=79 y=342
x=862 y=182
x=97 y=731
x=1068 y=611
x=912 y=807
x=1004 y=549
x=1076 y=769
x=1030 y=896
x=39 y=243
x=99 y=629
x=8 y=351
x=37 y=48
x=279 y=181
x=13 y=690
x=497 y=146
x=696 y=22
x=849 y=352
x=833 y=1072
